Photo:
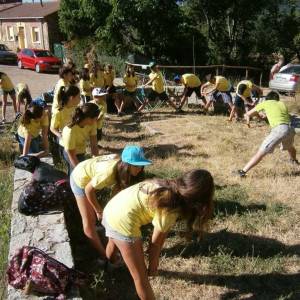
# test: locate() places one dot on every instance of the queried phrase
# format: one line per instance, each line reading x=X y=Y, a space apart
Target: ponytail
x=65 y=93
x=88 y=110
x=34 y=112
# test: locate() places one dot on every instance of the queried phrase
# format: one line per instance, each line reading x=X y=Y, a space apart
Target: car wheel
x=37 y=68
x=20 y=65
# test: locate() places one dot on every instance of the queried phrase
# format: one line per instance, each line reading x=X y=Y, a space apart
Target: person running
x=191 y=83
x=69 y=99
x=7 y=88
x=281 y=131
x=99 y=96
x=243 y=99
x=83 y=127
x=34 y=122
x=160 y=202
x=66 y=78
x=102 y=172
x=158 y=88
x=85 y=86
x=23 y=97
x=221 y=91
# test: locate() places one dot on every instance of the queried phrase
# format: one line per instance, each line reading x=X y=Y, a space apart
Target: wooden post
x=246 y=73
x=260 y=78
x=217 y=71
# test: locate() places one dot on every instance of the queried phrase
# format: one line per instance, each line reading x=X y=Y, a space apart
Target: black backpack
x=27 y=162
x=44 y=197
x=47 y=173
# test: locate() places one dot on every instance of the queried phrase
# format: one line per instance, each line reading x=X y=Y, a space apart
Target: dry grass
x=252 y=251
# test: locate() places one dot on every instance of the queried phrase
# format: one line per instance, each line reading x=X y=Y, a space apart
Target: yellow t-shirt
x=62 y=117
x=131 y=83
x=129 y=210
x=6 y=84
x=109 y=78
x=100 y=170
x=21 y=87
x=222 y=84
x=101 y=103
x=34 y=127
x=276 y=111
x=55 y=104
x=76 y=137
x=97 y=82
x=249 y=84
x=191 y=80
x=158 y=82
x=85 y=87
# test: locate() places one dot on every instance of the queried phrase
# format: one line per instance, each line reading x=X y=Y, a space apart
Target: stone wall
x=46 y=232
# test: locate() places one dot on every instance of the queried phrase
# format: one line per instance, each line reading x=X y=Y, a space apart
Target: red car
x=38 y=59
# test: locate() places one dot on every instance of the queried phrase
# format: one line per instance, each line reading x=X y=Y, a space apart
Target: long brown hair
x=34 y=112
x=191 y=194
x=124 y=177
x=87 y=110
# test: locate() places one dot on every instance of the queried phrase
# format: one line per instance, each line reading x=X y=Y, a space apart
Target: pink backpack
x=32 y=270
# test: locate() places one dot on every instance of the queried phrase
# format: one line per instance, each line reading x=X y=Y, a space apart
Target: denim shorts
x=77 y=191
x=111 y=233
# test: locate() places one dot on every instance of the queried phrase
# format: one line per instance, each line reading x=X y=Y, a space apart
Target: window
x=35 y=34
x=10 y=33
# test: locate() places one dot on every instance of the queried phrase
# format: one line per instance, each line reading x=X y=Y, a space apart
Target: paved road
x=38 y=83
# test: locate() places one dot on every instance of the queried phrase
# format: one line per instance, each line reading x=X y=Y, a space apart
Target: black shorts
x=130 y=94
x=239 y=102
x=162 y=96
x=10 y=93
x=189 y=91
x=111 y=89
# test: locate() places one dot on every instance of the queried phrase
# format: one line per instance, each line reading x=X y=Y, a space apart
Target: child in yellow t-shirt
x=160 y=202
x=97 y=76
x=85 y=86
x=158 y=88
x=23 y=96
x=69 y=97
x=34 y=121
x=100 y=172
x=66 y=77
x=83 y=127
x=7 y=88
x=99 y=96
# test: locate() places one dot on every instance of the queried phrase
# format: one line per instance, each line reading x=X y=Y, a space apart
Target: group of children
x=77 y=116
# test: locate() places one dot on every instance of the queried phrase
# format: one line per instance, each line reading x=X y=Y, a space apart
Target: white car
x=287 y=80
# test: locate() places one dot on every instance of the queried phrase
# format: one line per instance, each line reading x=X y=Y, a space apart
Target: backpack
x=47 y=173
x=44 y=197
x=33 y=270
x=27 y=162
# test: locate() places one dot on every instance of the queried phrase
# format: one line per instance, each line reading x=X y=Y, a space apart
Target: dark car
x=6 y=55
x=38 y=59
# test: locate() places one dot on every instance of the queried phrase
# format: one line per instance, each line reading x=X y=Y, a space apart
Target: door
x=21 y=38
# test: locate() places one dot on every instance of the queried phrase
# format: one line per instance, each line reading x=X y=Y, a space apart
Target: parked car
x=6 y=55
x=287 y=80
x=38 y=60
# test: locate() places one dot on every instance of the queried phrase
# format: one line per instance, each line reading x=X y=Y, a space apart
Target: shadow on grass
x=163 y=151
x=264 y=287
x=237 y=244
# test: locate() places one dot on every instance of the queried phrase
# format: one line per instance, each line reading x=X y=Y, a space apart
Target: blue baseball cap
x=134 y=155
x=177 y=78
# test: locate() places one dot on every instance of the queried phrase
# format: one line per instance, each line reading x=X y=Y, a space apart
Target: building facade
x=30 y=25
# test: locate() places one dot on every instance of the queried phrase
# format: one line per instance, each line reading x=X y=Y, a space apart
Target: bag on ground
x=44 y=197
x=47 y=173
x=34 y=271
x=27 y=162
